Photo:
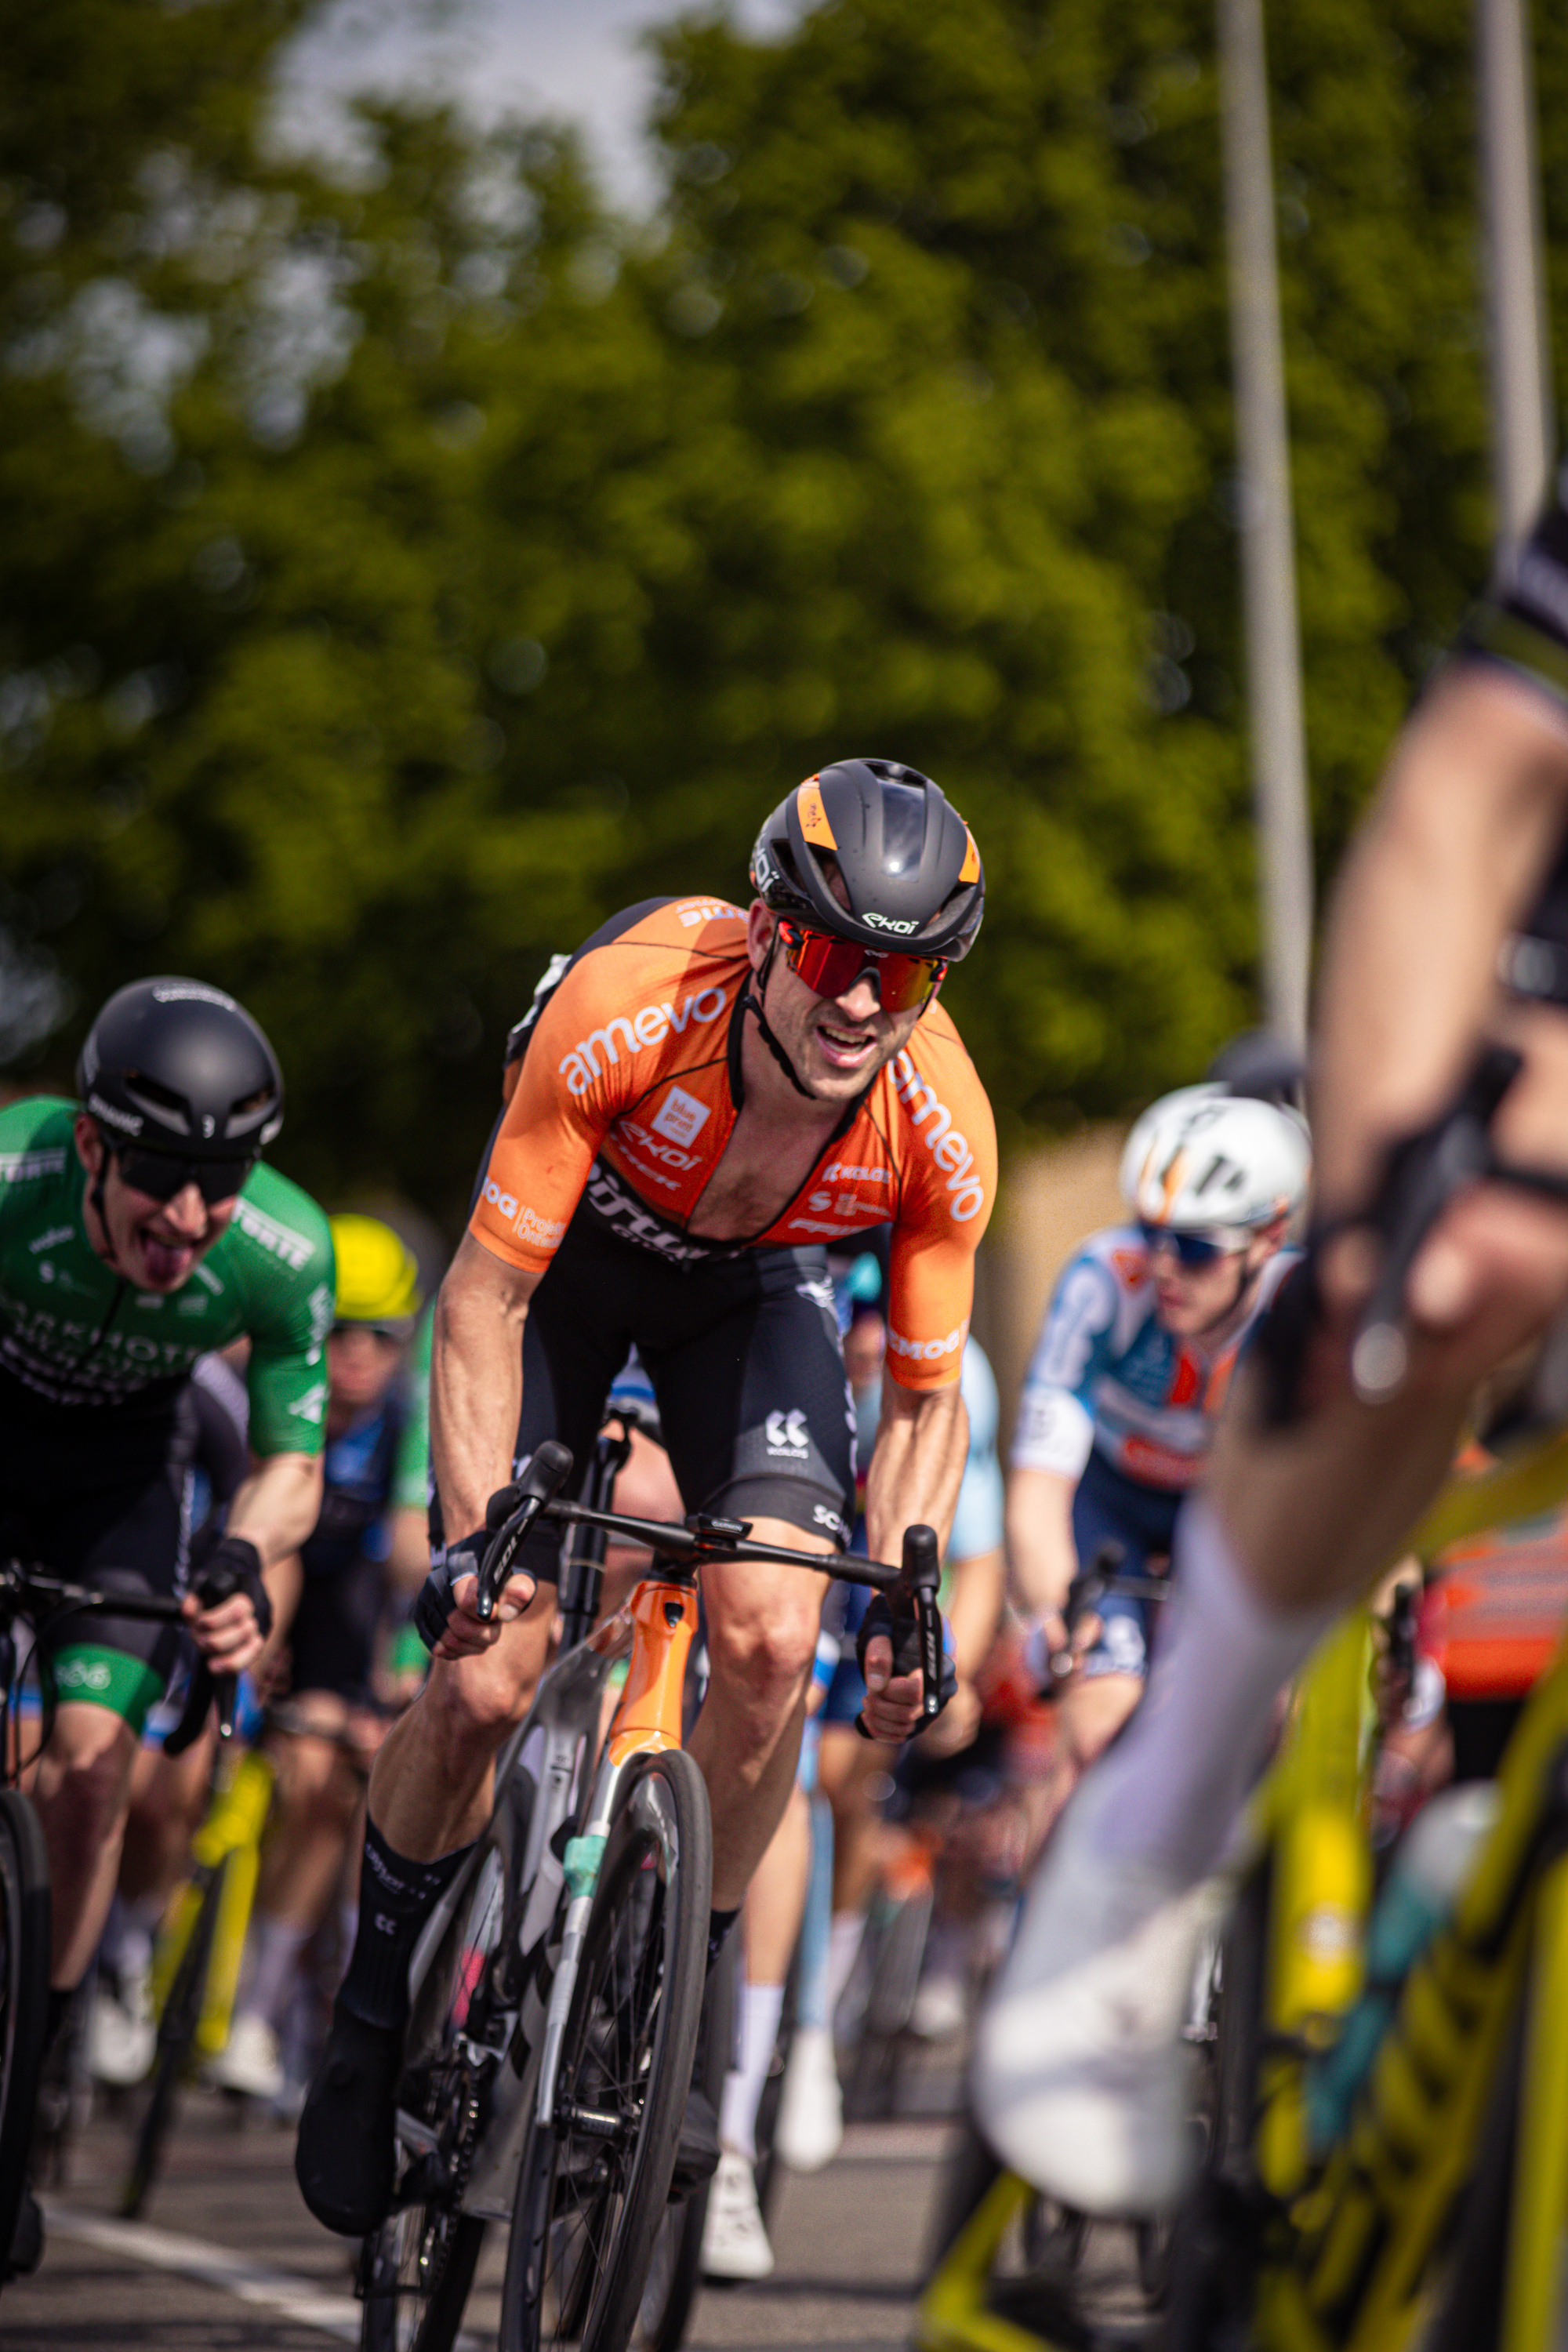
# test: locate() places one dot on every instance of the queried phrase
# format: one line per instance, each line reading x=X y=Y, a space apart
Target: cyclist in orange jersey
x=698 y=1099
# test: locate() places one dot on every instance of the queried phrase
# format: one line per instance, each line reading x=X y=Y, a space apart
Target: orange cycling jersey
x=626 y=1101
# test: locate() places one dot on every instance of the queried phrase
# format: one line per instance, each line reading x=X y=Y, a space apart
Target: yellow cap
x=378 y=1281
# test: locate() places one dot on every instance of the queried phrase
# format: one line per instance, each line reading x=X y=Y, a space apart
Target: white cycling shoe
x=810 y=2128
x=249 y=2061
x=734 y=2240
x=1079 y=2080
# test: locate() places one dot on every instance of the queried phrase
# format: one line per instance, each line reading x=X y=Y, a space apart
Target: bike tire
x=176 y=2041
x=590 y=2202
x=674 y=2272
x=416 y=2269
x=1204 y=2271
x=23 y=1994
x=770 y=2164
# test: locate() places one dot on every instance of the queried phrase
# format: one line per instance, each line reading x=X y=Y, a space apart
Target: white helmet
x=1203 y=1156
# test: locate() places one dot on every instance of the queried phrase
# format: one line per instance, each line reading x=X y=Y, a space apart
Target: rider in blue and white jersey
x=1142 y=1336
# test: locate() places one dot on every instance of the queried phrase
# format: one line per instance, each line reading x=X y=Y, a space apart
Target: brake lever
x=921 y=1579
x=550 y=1467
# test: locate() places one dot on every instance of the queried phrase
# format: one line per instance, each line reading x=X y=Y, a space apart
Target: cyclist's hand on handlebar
x=892 y=1701
x=446 y=1611
x=1050 y=1657
x=230 y=1632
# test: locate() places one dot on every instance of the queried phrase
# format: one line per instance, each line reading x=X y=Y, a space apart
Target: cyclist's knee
x=763 y=1659
x=85 y=1774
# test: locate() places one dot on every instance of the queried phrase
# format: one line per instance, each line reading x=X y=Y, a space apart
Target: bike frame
x=1350 y=2263
x=1345 y=2243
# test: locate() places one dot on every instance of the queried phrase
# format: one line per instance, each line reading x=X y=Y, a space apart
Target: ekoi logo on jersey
x=951 y=1151
x=650 y=1027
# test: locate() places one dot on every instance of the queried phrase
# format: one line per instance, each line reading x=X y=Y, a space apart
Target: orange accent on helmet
x=813 y=822
x=970 y=869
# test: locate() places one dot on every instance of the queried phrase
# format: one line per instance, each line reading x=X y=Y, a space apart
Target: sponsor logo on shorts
x=788 y=1435
x=824 y=1518
x=76 y=1674
x=949 y=1148
x=629 y=1034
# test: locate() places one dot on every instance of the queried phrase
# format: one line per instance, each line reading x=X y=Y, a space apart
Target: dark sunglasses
x=160 y=1174
x=831 y=967
x=382 y=1333
x=1192 y=1249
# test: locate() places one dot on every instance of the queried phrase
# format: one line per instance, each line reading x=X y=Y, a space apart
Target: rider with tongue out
x=138 y=1231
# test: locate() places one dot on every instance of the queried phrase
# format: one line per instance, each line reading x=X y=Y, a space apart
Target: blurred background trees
x=402 y=567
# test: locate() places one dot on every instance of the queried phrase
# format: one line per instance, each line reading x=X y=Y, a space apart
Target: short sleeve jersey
x=73 y=1335
x=1105 y=1379
x=626 y=1102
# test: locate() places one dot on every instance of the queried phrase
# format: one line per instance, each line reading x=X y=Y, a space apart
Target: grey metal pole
x=1267 y=536
x=1519 y=343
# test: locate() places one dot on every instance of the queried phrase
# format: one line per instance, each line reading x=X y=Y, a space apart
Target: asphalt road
x=228 y=2256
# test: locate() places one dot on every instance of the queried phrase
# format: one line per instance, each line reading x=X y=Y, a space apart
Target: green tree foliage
x=400 y=571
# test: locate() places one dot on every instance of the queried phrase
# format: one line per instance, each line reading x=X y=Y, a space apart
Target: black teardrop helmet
x=907 y=860
x=178 y=1067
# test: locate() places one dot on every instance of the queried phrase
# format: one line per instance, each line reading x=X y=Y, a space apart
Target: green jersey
x=73 y=1335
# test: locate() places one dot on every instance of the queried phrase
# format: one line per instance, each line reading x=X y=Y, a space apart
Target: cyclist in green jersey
x=137 y=1230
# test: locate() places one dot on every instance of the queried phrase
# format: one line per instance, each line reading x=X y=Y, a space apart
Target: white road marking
x=299 y=2300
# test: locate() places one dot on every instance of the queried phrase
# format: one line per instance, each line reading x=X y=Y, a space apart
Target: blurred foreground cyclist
x=368 y=1544
x=1449 y=930
x=137 y=1230
x=702 y=1098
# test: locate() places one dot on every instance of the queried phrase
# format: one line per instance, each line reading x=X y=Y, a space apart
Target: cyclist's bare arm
x=917 y=1467
x=475 y=1397
x=1461 y=838
x=1040 y=1548
x=1459 y=841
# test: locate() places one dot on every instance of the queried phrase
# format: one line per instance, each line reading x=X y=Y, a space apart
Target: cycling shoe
x=697 y=2151
x=347 y=2155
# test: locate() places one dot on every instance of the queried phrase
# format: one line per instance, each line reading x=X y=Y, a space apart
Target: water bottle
x=1431 y=1865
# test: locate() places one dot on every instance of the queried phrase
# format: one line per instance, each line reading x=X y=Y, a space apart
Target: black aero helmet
x=908 y=861
x=177 y=1066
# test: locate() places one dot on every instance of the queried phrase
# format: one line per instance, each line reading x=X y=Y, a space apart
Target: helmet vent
x=166 y=1106
x=903 y=828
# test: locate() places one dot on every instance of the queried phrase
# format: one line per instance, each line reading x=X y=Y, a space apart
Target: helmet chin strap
x=752 y=1002
x=95 y=1194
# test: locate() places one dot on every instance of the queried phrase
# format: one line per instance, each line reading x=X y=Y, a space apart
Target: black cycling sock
x=395 y=1898
x=718 y=1926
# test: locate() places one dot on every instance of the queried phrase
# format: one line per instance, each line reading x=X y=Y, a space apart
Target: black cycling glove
x=903 y=1629
x=234 y=1565
x=433 y=1609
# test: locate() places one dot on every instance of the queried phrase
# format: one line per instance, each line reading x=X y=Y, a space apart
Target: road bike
x=556 y=1993
x=32 y=1597
x=200 y=1944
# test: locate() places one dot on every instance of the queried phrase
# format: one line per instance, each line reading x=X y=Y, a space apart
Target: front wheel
x=24 y=1995
x=176 y=2040
x=592 y=2188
